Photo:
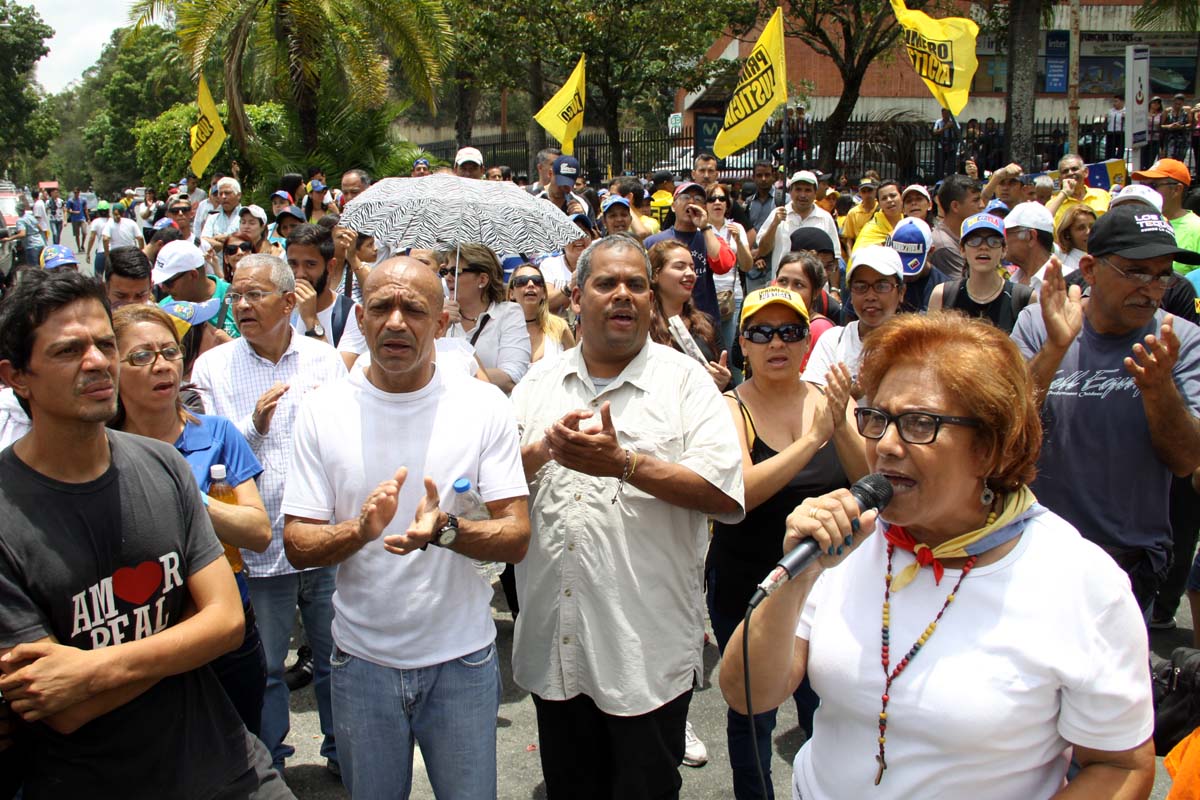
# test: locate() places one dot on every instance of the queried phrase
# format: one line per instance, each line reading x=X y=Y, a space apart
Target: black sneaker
x=1161 y=621
x=300 y=674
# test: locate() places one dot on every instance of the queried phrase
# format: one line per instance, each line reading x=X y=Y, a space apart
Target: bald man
x=413 y=618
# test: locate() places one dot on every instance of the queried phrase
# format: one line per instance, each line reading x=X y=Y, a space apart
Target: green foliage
x=1169 y=15
x=163 y=149
x=23 y=124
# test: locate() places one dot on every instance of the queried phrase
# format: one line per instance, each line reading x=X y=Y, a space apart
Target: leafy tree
x=853 y=34
x=163 y=147
x=23 y=126
x=296 y=47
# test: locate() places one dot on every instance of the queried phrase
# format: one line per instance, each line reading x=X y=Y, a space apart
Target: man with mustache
x=115 y=590
x=321 y=313
x=628 y=450
x=372 y=488
x=1119 y=381
x=257 y=382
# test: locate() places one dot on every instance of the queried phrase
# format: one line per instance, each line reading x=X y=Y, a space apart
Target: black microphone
x=871 y=491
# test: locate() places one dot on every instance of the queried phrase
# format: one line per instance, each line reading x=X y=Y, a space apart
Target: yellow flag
x=562 y=116
x=207 y=134
x=761 y=88
x=942 y=51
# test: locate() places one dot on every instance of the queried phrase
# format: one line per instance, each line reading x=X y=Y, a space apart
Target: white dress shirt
x=231 y=377
x=817 y=218
x=612 y=602
x=503 y=340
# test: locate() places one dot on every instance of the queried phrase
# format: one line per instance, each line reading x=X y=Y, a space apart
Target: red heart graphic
x=136 y=584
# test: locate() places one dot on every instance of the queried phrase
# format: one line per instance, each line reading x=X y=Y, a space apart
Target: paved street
x=520 y=774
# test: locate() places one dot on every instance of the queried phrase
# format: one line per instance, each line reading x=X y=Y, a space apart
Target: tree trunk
x=537 y=99
x=834 y=128
x=306 y=110
x=1024 y=25
x=467 y=97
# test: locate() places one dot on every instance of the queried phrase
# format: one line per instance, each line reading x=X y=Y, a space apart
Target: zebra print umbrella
x=439 y=210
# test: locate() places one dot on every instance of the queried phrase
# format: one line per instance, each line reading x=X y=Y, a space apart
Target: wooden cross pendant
x=882 y=767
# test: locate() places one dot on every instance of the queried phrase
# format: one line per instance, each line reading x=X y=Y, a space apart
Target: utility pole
x=1073 y=80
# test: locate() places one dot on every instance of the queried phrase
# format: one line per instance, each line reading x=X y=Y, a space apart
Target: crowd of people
x=245 y=418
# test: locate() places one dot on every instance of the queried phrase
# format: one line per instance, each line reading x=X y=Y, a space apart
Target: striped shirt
x=231 y=378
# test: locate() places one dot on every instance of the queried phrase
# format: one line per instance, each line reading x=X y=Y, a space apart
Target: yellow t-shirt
x=651 y=223
x=874 y=232
x=854 y=221
x=1095 y=199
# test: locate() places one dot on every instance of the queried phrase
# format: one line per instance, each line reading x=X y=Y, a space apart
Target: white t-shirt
x=556 y=272
x=14 y=422
x=122 y=233
x=425 y=608
x=96 y=228
x=836 y=344
x=1043 y=648
x=39 y=213
x=352 y=340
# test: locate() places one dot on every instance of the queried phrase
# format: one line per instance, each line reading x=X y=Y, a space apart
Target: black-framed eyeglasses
x=525 y=280
x=253 y=297
x=1165 y=281
x=993 y=240
x=880 y=287
x=915 y=427
x=144 y=358
x=232 y=249
x=789 y=333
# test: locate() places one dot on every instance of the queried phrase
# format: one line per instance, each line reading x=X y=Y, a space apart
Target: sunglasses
x=179 y=210
x=790 y=333
x=718 y=198
x=525 y=280
x=232 y=249
x=447 y=271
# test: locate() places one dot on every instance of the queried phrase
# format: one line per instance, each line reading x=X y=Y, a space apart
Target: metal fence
x=905 y=149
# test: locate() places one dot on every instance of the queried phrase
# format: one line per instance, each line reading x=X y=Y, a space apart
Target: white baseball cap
x=878 y=257
x=803 y=176
x=1030 y=214
x=916 y=187
x=468 y=155
x=176 y=258
x=1137 y=192
x=256 y=212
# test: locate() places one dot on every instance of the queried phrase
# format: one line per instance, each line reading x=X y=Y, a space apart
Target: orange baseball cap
x=1165 y=168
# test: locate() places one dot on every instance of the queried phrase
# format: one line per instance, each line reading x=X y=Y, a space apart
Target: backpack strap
x=341 y=312
x=1022 y=294
x=950 y=293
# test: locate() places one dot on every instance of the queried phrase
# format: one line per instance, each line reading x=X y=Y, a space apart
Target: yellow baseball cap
x=761 y=298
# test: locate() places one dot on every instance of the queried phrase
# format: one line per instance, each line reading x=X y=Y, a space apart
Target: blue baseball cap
x=58 y=255
x=912 y=240
x=981 y=222
x=283 y=194
x=997 y=208
x=316 y=186
x=424 y=162
x=615 y=200
x=192 y=313
x=165 y=222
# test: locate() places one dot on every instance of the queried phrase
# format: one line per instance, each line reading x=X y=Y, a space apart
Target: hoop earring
x=987 y=496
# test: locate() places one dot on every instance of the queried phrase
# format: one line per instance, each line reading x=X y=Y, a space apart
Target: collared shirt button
x=570 y=545
x=567 y=592
x=566 y=640
x=578 y=497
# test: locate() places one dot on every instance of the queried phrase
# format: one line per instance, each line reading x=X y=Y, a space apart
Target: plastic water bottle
x=467 y=504
x=219 y=489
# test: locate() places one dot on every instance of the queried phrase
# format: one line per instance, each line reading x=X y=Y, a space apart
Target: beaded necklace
x=885 y=657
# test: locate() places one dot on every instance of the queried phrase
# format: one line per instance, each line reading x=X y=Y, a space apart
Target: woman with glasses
x=797 y=442
x=236 y=248
x=549 y=334
x=986 y=293
x=150 y=405
x=729 y=284
x=876 y=285
x=966 y=641
x=673 y=278
x=479 y=313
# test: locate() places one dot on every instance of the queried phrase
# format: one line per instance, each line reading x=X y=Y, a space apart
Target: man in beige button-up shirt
x=628 y=449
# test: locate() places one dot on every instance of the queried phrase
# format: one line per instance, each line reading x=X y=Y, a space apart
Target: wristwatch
x=447 y=534
x=316 y=331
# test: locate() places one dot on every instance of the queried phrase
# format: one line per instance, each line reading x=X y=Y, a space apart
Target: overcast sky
x=80 y=31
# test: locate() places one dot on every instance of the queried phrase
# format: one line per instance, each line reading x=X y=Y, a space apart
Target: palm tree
x=1170 y=15
x=294 y=45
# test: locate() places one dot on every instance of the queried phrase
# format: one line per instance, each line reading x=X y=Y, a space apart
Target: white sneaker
x=695 y=754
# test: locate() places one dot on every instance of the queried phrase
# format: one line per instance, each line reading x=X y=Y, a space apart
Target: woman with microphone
x=969 y=642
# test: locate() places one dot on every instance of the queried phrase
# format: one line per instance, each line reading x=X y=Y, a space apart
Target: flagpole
x=787 y=133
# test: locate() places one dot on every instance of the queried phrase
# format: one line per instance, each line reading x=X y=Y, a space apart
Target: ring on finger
x=814 y=511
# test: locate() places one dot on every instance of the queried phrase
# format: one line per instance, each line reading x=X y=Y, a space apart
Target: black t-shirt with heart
x=96 y=564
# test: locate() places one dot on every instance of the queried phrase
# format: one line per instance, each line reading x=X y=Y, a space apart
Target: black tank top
x=741 y=555
x=1001 y=312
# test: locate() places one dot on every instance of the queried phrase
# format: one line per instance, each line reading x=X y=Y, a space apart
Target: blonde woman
x=549 y=334
x=1072 y=234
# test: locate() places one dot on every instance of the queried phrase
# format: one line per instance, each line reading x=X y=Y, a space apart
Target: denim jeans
x=449 y=709
x=738 y=730
x=275 y=600
x=55 y=232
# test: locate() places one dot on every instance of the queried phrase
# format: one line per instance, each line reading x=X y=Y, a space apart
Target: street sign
x=1137 y=96
x=675 y=123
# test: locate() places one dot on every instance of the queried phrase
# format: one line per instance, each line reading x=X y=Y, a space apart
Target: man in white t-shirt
x=875 y=280
x=321 y=313
x=414 y=656
x=121 y=232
